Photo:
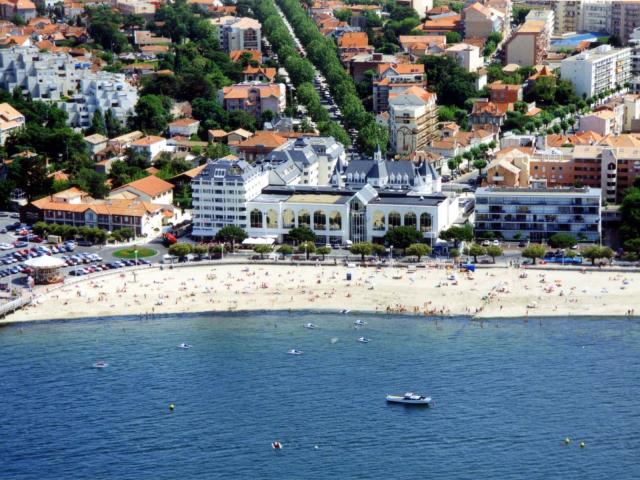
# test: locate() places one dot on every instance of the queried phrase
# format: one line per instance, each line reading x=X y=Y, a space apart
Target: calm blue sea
x=507 y=394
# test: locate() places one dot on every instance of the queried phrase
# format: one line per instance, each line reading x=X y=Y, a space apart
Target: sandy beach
x=495 y=292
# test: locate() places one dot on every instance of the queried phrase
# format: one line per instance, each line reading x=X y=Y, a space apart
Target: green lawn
x=129 y=253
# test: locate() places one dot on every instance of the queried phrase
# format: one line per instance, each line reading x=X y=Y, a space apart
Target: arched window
x=319 y=220
x=349 y=177
x=255 y=218
x=379 y=222
x=335 y=221
x=425 y=222
x=304 y=218
x=394 y=220
x=288 y=219
x=392 y=178
x=410 y=220
x=272 y=219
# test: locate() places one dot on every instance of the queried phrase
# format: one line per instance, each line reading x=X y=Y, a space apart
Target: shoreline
x=431 y=292
x=310 y=311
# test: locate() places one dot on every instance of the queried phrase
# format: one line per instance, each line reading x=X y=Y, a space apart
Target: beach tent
x=251 y=241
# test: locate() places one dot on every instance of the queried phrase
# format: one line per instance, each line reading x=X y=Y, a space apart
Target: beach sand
x=488 y=293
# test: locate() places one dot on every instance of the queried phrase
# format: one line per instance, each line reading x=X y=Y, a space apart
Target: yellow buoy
x=582 y=445
x=171 y=406
x=567 y=441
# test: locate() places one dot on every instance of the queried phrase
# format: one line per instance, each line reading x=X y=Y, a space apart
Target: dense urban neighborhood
x=326 y=127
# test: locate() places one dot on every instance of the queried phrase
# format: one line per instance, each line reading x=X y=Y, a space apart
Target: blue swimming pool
x=576 y=39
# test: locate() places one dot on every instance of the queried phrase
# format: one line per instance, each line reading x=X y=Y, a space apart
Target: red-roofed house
x=149 y=189
x=254 y=98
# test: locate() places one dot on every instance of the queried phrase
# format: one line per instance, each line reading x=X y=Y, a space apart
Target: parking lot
x=18 y=244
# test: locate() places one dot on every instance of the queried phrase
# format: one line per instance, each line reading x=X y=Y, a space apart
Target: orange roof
x=264 y=139
x=498 y=85
x=134 y=208
x=150 y=185
x=240 y=91
x=531 y=26
x=182 y=122
x=588 y=137
x=443 y=23
x=217 y=133
x=401 y=68
x=491 y=108
x=268 y=72
x=146 y=141
x=353 y=40
x=192 y=173
x=235 y=55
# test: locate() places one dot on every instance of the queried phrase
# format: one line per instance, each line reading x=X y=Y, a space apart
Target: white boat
x=276 y=445
x=100 y=364
x=409 y=398
x=360 y=323
x=184 y=345
x=293 y=351
x=310 y=326
x=363 y=340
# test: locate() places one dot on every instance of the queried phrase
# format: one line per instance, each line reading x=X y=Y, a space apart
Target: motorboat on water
x=310 y=326
x=293 y=351
x=363 y=340
x=409 y=398
x=184 y=345
x=100 y=364
x=276 y=445
x=359 y=323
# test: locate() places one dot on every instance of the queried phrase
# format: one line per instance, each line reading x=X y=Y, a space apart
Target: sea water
x=507 y=394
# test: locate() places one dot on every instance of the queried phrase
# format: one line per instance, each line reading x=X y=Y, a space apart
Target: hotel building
x=538 y=213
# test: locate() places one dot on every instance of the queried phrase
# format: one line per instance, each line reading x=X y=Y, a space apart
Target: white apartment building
x=413 y=117
x=538 y=213
x=420 y=6
x=314 y=159
x=100 y=91
x=546 y=16
x=10 y=120
x=238 y=33
x=597 y=70
x=595 y=16
x=467 y=56
x=220 y=193
x=61 y=78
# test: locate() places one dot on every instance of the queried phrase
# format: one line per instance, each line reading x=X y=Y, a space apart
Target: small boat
x=184 y=345
x=310 y=326
x=293 y=351
x=345 y=311
x=100 y=364
x=363 y=340
x=360 y=323
x=409 y=398
x=276 y=445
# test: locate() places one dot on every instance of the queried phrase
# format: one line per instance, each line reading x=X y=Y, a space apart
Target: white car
x=486 y=243
x=496 y=243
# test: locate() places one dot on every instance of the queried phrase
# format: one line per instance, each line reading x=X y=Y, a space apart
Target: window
x=272 y=219
x=256 y=218
x=335 y=221
x=288 y=219
x=304 y=218
x=425 y=222
x=319 y=220
x=394 y=219
x=379 y=223
x=410 y=220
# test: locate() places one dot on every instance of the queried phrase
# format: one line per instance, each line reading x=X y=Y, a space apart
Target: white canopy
x=45 y=261
x=258 y=241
